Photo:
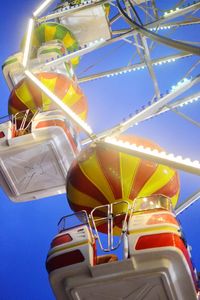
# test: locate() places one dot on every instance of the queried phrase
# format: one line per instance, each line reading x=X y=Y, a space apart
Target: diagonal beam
x=187 y=203
x=134 y=67
x=150 y=110
x=176 y=162
x=45 y=4
x=70 y=114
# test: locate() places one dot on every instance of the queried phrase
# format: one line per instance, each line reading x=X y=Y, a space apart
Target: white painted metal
x=34 y=165
x=84 y=25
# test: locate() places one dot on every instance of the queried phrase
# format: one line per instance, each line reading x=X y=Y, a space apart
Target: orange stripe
x=79 y=106
x=110 y=165
x=144 y=172
x=62 y=85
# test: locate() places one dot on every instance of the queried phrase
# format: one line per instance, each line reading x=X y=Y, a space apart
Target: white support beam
x=72 y=115
x=27 y=47
x=44 y=5
x=148 y=111
x=187 y=203
x=176 y=162
x=135 y=67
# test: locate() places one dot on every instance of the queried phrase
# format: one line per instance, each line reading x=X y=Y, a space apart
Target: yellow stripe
x=35 y=41
x=174 y=199
x=68 y=40
x=71 y=96
x=83 y=115
x=50 y=84
x=150 y=229
x=68 y=247
x=78 y=198
x=23 y=93
x=75 y=60
x=128 y=168
x=160 y=178
x=49 y=33
x=92 y=170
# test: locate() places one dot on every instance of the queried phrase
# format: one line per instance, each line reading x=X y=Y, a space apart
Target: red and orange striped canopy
x=26 y=95
x=103 y=175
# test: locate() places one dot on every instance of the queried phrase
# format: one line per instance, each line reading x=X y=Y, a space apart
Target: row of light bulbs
x=171 y=11
x=164 y=61
x=154 y=152
x=173 y=89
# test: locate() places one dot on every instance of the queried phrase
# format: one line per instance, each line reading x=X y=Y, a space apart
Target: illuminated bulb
x=126 y=143
x=133 y=145
x=187 y=160
x=179 y=158
x=155 y=151
x=170 y=155
x=162 y=154
x=148 y=150
x=195 y=162
x=140 y=147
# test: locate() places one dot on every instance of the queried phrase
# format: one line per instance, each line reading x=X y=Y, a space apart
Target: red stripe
x=64 y=260
x=15 y=102
x=144 y=172
x=171 y=188
x=76 y=207
x=110 y=165
x=80 y=182
x=165 y=240
x=61 y=239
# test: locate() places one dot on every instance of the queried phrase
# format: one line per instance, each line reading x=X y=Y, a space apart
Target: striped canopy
x=26 y=95
x=46 y=32
x=103 y=175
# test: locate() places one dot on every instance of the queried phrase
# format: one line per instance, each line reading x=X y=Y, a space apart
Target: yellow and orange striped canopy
x=103 y=175
x=26 y=95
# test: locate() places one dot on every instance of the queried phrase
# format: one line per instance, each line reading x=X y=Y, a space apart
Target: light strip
x=154 y=155
x=71 y=9
x=88 y=48
x=135 y=67
x=28 y=43
x=73 y=116
x=42 y=7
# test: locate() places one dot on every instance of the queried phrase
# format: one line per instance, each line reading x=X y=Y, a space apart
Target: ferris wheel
x=48 y=138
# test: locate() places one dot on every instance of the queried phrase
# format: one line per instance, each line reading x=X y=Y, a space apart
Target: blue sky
x=26 y=229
